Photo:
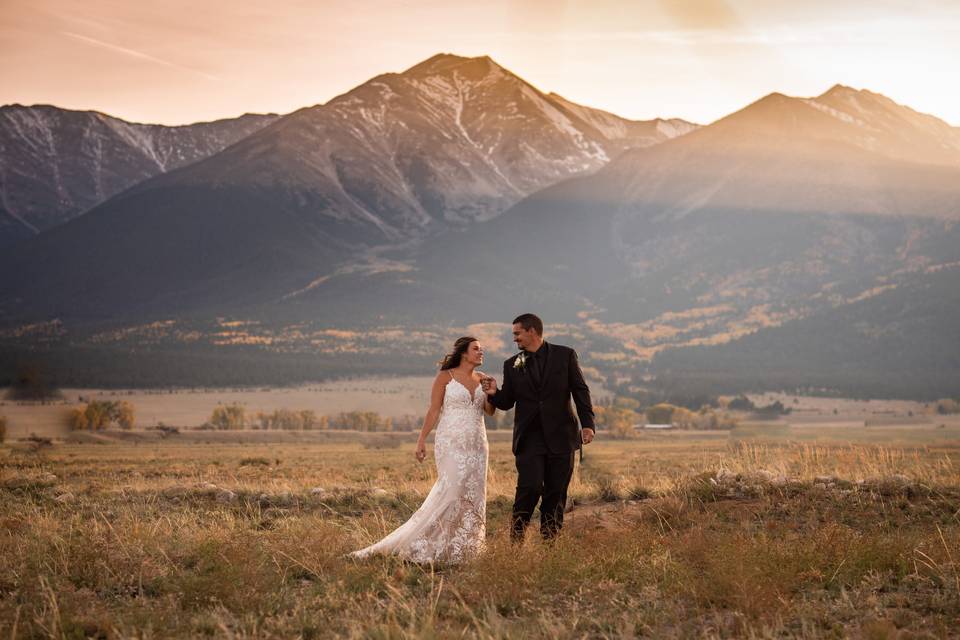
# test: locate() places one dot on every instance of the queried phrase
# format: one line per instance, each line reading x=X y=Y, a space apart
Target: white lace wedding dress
x=450 y=525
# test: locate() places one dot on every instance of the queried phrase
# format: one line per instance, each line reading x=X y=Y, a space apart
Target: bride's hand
x=488 y=383
x=421 y=453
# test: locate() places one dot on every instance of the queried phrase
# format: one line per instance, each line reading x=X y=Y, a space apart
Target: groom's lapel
x=526 y=375
x=519 y=376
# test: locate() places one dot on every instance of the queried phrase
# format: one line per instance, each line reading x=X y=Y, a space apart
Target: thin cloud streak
x=832 y=36
x=137 y=54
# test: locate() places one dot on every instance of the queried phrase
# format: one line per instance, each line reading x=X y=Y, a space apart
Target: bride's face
x=474 y=354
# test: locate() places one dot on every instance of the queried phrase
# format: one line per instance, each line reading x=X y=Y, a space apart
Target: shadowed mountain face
x=447 y=143
x=56 y=163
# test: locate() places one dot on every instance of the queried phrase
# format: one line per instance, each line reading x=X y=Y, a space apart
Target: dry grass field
x=768 y=531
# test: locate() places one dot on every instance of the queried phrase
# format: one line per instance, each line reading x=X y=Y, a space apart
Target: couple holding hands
x=540 y=381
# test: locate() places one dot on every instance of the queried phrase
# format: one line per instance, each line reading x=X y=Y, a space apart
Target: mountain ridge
x=50 y=105
x=57 y=163
x=393 y=160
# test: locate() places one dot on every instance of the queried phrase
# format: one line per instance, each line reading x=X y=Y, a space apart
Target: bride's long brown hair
x=452 y=359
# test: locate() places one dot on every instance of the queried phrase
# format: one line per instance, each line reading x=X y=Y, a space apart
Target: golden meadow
x=764 y=531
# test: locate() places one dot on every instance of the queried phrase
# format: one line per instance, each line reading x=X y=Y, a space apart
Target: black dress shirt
x=538 y=359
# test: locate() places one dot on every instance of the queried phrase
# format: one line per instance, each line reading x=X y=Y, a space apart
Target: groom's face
x=523 y=337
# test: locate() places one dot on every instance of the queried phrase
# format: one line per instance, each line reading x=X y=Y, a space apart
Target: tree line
x=623 y=415
x=620 y=417
x=234 y=416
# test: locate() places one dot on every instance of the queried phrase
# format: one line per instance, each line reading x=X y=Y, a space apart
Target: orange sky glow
x=176 y=62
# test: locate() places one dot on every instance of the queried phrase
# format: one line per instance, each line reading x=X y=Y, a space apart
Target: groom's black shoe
x=517 y=529
x=550 y=529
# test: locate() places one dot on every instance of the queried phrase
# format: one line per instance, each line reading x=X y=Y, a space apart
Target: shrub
x=660 y=413
x=773 y=409
x=254 y=461
x=78 y=419
x=303 y=420
x=100 y=414
x=124 y=414
x=230 y=416
x=626 y=403
x=3 y=428
x=706 y=419
x=617 y=421
x=741 y=403
x=165 y=430
x=358 y=421
x=308 y=419
x=410 y=422
x=947 y=406
x=684 y=418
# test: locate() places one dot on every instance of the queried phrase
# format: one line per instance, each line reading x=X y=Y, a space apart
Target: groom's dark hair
x=529 y=321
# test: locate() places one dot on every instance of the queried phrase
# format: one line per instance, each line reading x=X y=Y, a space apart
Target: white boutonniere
x=521 y=361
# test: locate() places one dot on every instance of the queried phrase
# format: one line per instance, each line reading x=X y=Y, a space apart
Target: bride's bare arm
x=433 y=413
x=488 y=408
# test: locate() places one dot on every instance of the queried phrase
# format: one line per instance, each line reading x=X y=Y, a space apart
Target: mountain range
x=57 y=163
x=798 y=242
x=769 y=205
x=449 y=142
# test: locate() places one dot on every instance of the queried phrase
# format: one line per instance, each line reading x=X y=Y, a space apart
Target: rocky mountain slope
x=57 y=163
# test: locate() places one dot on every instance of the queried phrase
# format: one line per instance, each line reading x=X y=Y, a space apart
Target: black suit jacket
x=549 y=397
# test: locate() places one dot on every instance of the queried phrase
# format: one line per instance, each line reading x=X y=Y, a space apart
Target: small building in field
x=655 y=426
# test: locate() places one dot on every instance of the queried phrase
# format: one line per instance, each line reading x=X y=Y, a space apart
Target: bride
x=450 y=525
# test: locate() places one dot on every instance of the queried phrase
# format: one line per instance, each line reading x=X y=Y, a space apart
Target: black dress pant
x=541 y=476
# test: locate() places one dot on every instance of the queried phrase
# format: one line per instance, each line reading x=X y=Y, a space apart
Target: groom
x=540 y=380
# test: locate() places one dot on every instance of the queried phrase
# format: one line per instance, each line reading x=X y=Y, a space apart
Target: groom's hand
x=587 y=436
x=489 y=384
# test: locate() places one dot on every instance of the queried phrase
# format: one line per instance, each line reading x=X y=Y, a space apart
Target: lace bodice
x=450 y=525
x=460 y=427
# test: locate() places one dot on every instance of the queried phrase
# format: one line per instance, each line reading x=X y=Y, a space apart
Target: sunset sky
x=180 y=61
